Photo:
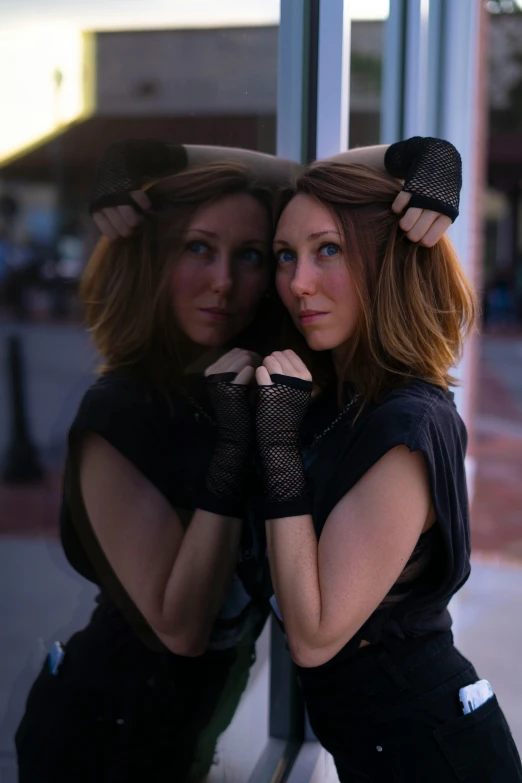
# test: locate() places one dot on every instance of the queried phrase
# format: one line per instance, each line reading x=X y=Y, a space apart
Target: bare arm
x=366 y=542
x=176 y=579
x=271 y=170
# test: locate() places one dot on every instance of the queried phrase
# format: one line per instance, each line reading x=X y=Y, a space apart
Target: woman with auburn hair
x=365 y=502
x=157 y=489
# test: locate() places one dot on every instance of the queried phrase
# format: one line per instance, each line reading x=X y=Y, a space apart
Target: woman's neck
x=339 y=362
x=198 y=357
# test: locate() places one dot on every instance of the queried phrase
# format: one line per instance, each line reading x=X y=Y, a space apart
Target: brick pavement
x=31 y=509
x=496 y=511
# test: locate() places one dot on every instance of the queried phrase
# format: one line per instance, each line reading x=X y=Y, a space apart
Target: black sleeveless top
x=422 y=417
x=170 y=441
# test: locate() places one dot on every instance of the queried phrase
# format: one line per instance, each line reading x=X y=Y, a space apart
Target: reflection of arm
x=270 y=169
x=277 y=170
x=176 y=578
x=364 y=156
x=132 y=164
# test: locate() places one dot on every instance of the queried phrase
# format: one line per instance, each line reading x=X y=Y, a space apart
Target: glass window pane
x=366 y=62
x=92 y=73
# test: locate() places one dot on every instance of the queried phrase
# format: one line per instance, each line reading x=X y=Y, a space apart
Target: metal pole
x=22 y=463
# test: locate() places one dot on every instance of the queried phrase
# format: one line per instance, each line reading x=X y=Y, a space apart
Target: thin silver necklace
x=200 y=410
x=337 y=419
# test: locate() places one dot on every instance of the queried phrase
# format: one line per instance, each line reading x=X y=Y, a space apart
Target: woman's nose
x=222 y=278
x=303 y=282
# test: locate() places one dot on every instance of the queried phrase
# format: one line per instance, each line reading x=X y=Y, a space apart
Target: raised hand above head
x=117 y=198
x=432 y=173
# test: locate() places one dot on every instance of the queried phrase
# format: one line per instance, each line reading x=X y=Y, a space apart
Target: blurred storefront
x=503 y=212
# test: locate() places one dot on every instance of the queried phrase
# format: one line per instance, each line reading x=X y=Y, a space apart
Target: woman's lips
x=216 y=314
x=310 y=316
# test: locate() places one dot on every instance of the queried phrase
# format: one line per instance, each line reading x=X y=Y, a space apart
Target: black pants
x=392 y=715
x=118 y=712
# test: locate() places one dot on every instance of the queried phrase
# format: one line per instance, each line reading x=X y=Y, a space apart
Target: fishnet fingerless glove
x=225 y=484
x=280 y=411
x=431 y=170
x=126 y=165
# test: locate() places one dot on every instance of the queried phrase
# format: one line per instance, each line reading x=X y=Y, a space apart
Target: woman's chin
x=210 y=338
x=317 y=342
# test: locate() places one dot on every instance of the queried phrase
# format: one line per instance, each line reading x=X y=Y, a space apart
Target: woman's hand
x=420 y=225
x=120 y=222
x=285 y=389
x=431 y=171
x=282 y=363
x=238 y=363
x=227 y=382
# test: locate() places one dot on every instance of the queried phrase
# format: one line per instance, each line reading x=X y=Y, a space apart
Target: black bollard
x=21 y=462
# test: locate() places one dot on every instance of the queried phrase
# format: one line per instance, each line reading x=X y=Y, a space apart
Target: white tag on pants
x=473 y=696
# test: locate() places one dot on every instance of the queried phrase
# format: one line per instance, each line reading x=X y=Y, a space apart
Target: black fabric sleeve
x=120 y=414
x=423 y=420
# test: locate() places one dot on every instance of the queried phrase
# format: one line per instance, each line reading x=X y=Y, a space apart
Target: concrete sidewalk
x=45 y=600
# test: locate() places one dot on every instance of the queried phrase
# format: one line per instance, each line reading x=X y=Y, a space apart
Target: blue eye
x=251 y=255
x=285 y=256
x=329 y=250
x=198 y=248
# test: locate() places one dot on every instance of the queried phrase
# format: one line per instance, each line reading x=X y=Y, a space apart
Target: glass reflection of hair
x=127 y=286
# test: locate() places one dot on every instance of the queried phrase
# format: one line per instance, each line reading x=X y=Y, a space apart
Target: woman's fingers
x=105 y=226
x=263 y=377
x=141 y=198
x=272 y=365
x=437 y=230
x=410 y=218
x=401 y=202
x=131 y=216
x=420 y=225
x=292 y=365
x=299 y=366
x=423 y=224
x=245 y=376
x=287 y=368
x=117 y=221
x=234 y=361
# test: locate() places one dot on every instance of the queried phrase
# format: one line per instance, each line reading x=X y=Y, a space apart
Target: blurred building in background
x=216 y=86
x=503 y=205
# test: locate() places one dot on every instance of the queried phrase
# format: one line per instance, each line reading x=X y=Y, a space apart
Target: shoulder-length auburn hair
x=125 y=289
x=416 y=306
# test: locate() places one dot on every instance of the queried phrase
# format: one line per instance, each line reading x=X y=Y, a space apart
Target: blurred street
x=497 y=507
x=44 y=599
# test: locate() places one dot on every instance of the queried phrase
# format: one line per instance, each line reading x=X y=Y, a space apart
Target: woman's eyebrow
x=316 y=235
x=322 y=233
x=214 y=235
x=203 y=231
